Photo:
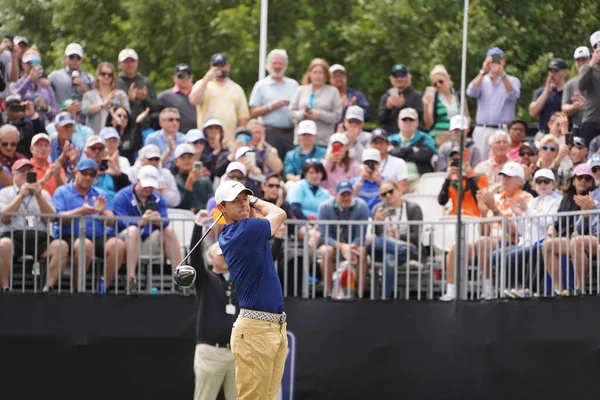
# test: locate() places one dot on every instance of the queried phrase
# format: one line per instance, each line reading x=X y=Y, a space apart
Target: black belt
x=215 y=344
x=275 y=128
x=492 y=126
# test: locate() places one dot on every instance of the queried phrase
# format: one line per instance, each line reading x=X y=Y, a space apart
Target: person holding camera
x=400 y=96
x=150 y=233
x=366 y=185
x=9 y=64
x=177 y=97
x=72 y=81
x=195 y=189
x=217 y=96
x=548 y=99
x=22 y=115
x=25 y=233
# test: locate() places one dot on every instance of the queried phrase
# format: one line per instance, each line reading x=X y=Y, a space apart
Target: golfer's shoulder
x=245 y=228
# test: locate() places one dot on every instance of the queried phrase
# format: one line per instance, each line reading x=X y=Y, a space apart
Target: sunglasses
x=354 y=121
x=525 y=154
x=172 y=119
x=578 y=145
x=386 y=194
x=543 y=181
x=9 y=144
x=123 y=116
x=184 y=76
x=89 y=174
x=273 y=185
x=518 y=129
x=399 y=74
x=437 y=83
x=106 y=74
x=153 y=159
x=199 y=141
x=586 y=178
x=236 y=177
x=550 y=148
x=74 y=57
x=96 y=148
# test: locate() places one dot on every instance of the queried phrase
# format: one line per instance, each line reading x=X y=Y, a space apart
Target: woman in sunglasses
x=440 y=103
x=548 y=151
x=130 y=131
x=559 y=235
x=96 y=103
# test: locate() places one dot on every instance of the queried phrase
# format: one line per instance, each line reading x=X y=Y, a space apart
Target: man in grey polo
x=497 y=94
x=177 y=97
x=573 y=101
x=270 y=98
x=72 y=81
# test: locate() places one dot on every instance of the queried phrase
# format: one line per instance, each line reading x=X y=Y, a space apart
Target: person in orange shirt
x=492 y=234
x=471 y=182
x=49 y=175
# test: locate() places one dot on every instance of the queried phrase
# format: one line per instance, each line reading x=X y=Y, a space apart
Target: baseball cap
x=32 y=56
x=40 y=136
x=379 y=133
x=336 y=68
x=181 y=68
x=13 y=98
x=408 y=113
x=581 y=52
x=580 y=141
x=371 y=155
x=74 y=48
x=594 y=38
x=229 y=190
x=355 y=112
x=193 y=135
x=512 y=169
x=339 y=138
x=236 y=166
x=558 y=64
x=582 y=169
x=399 y=68
x=64 y=118
x=93 y=140
x=343 y=187
x=459 y=122
x=184 y=148
x=87 y=163
x=212 y=122
x=108 y=132
x=150 y=151
x=128 y=53
x=544 y=173
x=218 y=59
x=21 y=39
x=595 y=161
x=148 y=176
x=529 y=145
x=495 y=51
x=242 y=151
x=242 y=130
x=307 y=127
x=21 y=163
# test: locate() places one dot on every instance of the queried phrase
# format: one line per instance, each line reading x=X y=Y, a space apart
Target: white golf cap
x=108 y=132
x=38 y=137
x=594 y=38
x=148 y=176
x=74 y=48
x=211 y=122
x=150 y=151
x=336 y=68
x=339 y=138
x=355 y=112
x=31 y=57
x=544 y=173
x=459 y=122
x=581 y=52
x=307 y=127
x=241 y=151
x=371 y=155
x=184 y=148
x=128 y=53
x=94 y=140
x=512 y=169
x=194 y=135
x=229 y=190
x=236 y=166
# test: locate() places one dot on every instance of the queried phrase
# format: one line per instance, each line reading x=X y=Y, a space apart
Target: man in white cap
x=306 y=149
x=72 y=81
x=366 y=186
x=457 y=123
x=269 y=99
x=63 y=149
x=167 y=187
x=350 y=97
x=573 y=102
x=259 y=336
x=155 y=238
x=353 y=124
x=138 y=87
x=195 y=190
x=589 y=85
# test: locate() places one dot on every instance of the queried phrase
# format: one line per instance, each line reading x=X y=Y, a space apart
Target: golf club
x=185 y=275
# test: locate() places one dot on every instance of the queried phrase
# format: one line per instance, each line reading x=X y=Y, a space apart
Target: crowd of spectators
x=104 y=143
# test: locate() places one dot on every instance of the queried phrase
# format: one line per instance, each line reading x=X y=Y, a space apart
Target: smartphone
x=17 y=107
x=496 y=59
x=336 y=147
x=103 y=165
x=370 y=164
x=391 y=212
x=198 y=165
x=31 y=177
x=569 y=139
x=151 y=205
x=454 y=163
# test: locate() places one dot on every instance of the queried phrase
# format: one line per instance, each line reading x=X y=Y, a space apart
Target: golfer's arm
x=272 y=213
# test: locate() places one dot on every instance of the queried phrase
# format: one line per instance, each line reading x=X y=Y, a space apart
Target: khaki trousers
x=260 y=350
x=214 y=367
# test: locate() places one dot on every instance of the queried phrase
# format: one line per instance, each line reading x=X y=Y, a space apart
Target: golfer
x=259 y=337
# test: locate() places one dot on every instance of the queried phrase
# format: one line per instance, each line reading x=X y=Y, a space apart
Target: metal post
x=262 y=54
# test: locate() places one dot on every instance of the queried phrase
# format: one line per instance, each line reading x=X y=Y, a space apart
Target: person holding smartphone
x=548 y=99
x=195 y=190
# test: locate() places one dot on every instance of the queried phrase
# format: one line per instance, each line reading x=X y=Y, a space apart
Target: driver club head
x=185 y=276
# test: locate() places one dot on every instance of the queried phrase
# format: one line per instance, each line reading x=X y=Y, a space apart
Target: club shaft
x=201 y=239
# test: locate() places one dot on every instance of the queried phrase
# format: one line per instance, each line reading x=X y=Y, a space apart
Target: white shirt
x=540 y=212
x=29 y=206
x=393 y=168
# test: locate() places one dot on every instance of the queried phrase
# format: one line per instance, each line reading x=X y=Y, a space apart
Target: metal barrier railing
x=411 y=260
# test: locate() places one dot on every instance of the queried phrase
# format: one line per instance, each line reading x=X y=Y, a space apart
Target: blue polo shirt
x=159 y=138
x=126 y=204
x=309 y=201
x=57 y=151
x=66 y=198
x=245 y=246
x=369 y=191
x=295 y=159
